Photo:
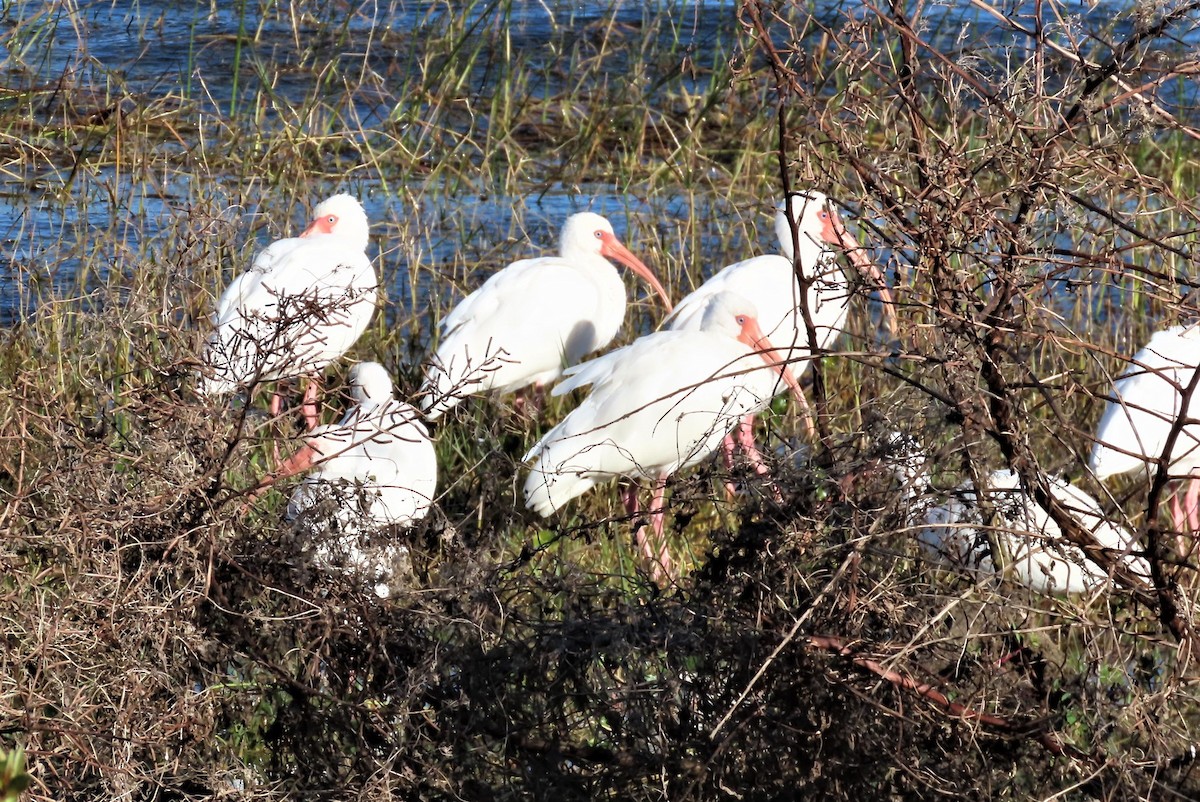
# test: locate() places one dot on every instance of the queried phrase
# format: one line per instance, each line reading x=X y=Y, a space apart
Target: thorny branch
x=977 y=327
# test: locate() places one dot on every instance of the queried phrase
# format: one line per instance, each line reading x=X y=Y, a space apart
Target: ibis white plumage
x=657 y=406
x=1041 y=558
x=374 y=470
x=1149 y=397
x=535 y=317
x=770 y=283
x=304 y=302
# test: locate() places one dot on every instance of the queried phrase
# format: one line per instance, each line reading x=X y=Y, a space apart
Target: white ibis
x=1042 y=559
x=374 y=470
x=657 y=406
x=770 y=283
x=534 y=317
x=303 y=303
x=1148 y=398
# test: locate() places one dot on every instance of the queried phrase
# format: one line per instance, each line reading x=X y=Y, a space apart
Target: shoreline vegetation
x=1026 y=175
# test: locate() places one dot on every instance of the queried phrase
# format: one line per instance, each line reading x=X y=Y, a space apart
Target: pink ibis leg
x=1189 y=516
x=744 y=432
x=529 y=403
x=1179 y=521
x=743 y=435
x=308 y=407
x=633 y=508
x=1190 y=505
x=728 y=445
x=806 y=415
x=662 y=566
x=275 y=407
x=659 y=567
x=629 y=497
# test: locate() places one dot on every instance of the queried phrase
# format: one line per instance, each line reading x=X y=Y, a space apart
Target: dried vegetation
x=1031 y=186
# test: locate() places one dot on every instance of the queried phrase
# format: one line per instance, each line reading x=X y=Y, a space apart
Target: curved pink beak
x=300 y=461
x=835 y=233
x=752 y=335
x=612 y=248
x=307 y=456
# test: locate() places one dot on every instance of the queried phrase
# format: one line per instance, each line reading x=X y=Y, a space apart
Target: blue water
x=57 y=216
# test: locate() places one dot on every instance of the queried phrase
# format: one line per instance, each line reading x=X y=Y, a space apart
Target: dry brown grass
x=162 y=643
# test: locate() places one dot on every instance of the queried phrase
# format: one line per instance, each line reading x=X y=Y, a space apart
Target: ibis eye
x=599 y=235
x=825 y=215
x=741 y=320
x=331 y=219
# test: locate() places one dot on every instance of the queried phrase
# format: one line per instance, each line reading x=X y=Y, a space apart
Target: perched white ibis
x=659 y=405
x=1042 y=559
x=534 y=317
x=1149 y=397
x=303 y=303
x=770 y=283
x=374 y=470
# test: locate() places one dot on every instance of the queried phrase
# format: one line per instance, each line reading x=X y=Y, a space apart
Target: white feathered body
x=769 y=282
x=303 y=304
x=659 y=405
x=523 y=326
x=1148 y=399
x=1042 y=558
x=377 y=468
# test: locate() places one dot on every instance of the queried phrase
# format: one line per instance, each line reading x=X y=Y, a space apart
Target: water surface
x=67 y=225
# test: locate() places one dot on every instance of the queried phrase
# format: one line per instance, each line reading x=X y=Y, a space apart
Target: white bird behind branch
x=374 y=471
x=305 y=301
x=953 y=531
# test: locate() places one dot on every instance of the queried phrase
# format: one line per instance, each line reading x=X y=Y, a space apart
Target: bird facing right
x=534 y=317
x=659 y=405
x=770 y=283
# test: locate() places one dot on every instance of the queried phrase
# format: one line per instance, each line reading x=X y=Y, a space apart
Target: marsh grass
x=161 y=643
